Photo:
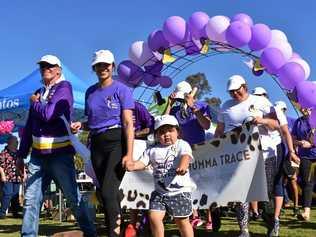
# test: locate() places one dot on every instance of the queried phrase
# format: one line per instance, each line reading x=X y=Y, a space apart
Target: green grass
x=290 y=227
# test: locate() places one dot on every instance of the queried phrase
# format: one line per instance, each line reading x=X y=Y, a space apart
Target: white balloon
x=216 y=28
x=304 y=64
x=140 y=54
x=277 y=35
x=284 y=47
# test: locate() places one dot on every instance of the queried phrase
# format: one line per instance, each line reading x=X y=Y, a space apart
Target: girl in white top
x=170 y=160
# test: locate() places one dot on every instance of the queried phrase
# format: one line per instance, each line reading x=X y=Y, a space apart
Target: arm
x=129 y=134
x=289 y=142
x=135 y=165
x=183 y=164
x=220 y=128
x=60 y=102
x=203 y=120
x=270 y=123
x=2 y=175
x=170 y=103
x=142 y=133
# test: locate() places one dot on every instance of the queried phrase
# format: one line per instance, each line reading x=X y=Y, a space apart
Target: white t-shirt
x=165 y=160
x=233 y=113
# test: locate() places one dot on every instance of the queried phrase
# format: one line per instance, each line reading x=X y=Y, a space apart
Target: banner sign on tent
x=226 y=169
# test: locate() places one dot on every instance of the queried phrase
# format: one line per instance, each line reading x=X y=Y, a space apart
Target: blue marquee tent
x=14 y=100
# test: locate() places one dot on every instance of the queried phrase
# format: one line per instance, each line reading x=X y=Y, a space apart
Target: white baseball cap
x=235 y=82
x=102 y=56
x=165 y=120
x=280 y=104
x=181 y=89
x=51 y=59
x=259 y=91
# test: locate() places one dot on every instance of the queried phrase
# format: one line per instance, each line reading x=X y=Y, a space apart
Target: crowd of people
x=114 y=120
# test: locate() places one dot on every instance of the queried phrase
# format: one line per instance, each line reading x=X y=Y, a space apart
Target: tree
x=200 y=81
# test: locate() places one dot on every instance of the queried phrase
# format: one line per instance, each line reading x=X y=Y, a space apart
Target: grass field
x=290 y=227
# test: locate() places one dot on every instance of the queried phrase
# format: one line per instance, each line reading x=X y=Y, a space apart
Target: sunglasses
x=234 y=91
x=46 y=66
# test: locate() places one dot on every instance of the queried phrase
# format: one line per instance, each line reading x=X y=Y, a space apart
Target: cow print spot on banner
x=251 y=147
x=147 y=197
x=131 y=198
x=259 y=147
x=233 y=138
x=248 y=125
x=242 y=138
x=237 y=130
x=255 y=136
x=203 y=200
x=141 y=204
x=249 y=140
x=216 y=143
x=195 y=201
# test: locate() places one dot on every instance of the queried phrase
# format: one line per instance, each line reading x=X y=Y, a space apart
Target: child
x=170 y=160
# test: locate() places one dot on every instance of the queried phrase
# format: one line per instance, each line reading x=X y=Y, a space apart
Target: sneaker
x=244 y=233
x=130 y=231
x=303 y=217
x=256 y=216
x=296 y=211
x=208 y=226
x=274 y=232
x=196 y=222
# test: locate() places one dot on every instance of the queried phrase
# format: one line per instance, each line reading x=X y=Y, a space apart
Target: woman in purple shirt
x=108 y=106
x=303 y=136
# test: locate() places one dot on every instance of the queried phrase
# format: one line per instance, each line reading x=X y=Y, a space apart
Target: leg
x=307 y=186
x=35 y=186
x=184 y=226
x=156 y=223
x=107 y=150
x=6 y=198
x=62 y=170
x=242 y=216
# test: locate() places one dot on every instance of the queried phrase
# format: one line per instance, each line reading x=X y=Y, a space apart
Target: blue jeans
x=9 y=189
x=41 y=171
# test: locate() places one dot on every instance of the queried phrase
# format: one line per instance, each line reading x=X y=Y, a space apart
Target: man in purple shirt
x=52 y=153
x=143 y=121
x=303 y=136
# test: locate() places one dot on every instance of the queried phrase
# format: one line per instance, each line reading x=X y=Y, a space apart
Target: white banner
x=226 y=169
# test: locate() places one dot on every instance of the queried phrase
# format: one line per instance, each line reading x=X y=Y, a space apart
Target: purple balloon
x=272 y=59
x=290 y=74
x=197 y=23
x=165 y=81
x=312 y=120
x=130 y=72
x=175 y=30
x=150 y=80
x=306 y=94
x=260 y=37
x=243 y=18
x=238 y=34
x=154 y=69
x=157 y=41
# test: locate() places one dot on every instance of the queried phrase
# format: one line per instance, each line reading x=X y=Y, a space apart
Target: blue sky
x=73 y=30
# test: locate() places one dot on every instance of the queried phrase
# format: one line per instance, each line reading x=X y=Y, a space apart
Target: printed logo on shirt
x=111 y=103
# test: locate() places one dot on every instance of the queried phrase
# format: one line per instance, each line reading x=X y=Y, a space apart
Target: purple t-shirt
x=141 y=117
x=302 y=131
x=191 y=130
x=104 y=106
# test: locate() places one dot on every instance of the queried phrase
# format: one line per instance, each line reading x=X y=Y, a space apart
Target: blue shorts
x=179 y=205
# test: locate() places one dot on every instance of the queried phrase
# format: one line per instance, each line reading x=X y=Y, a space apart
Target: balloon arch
x=152 y=64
